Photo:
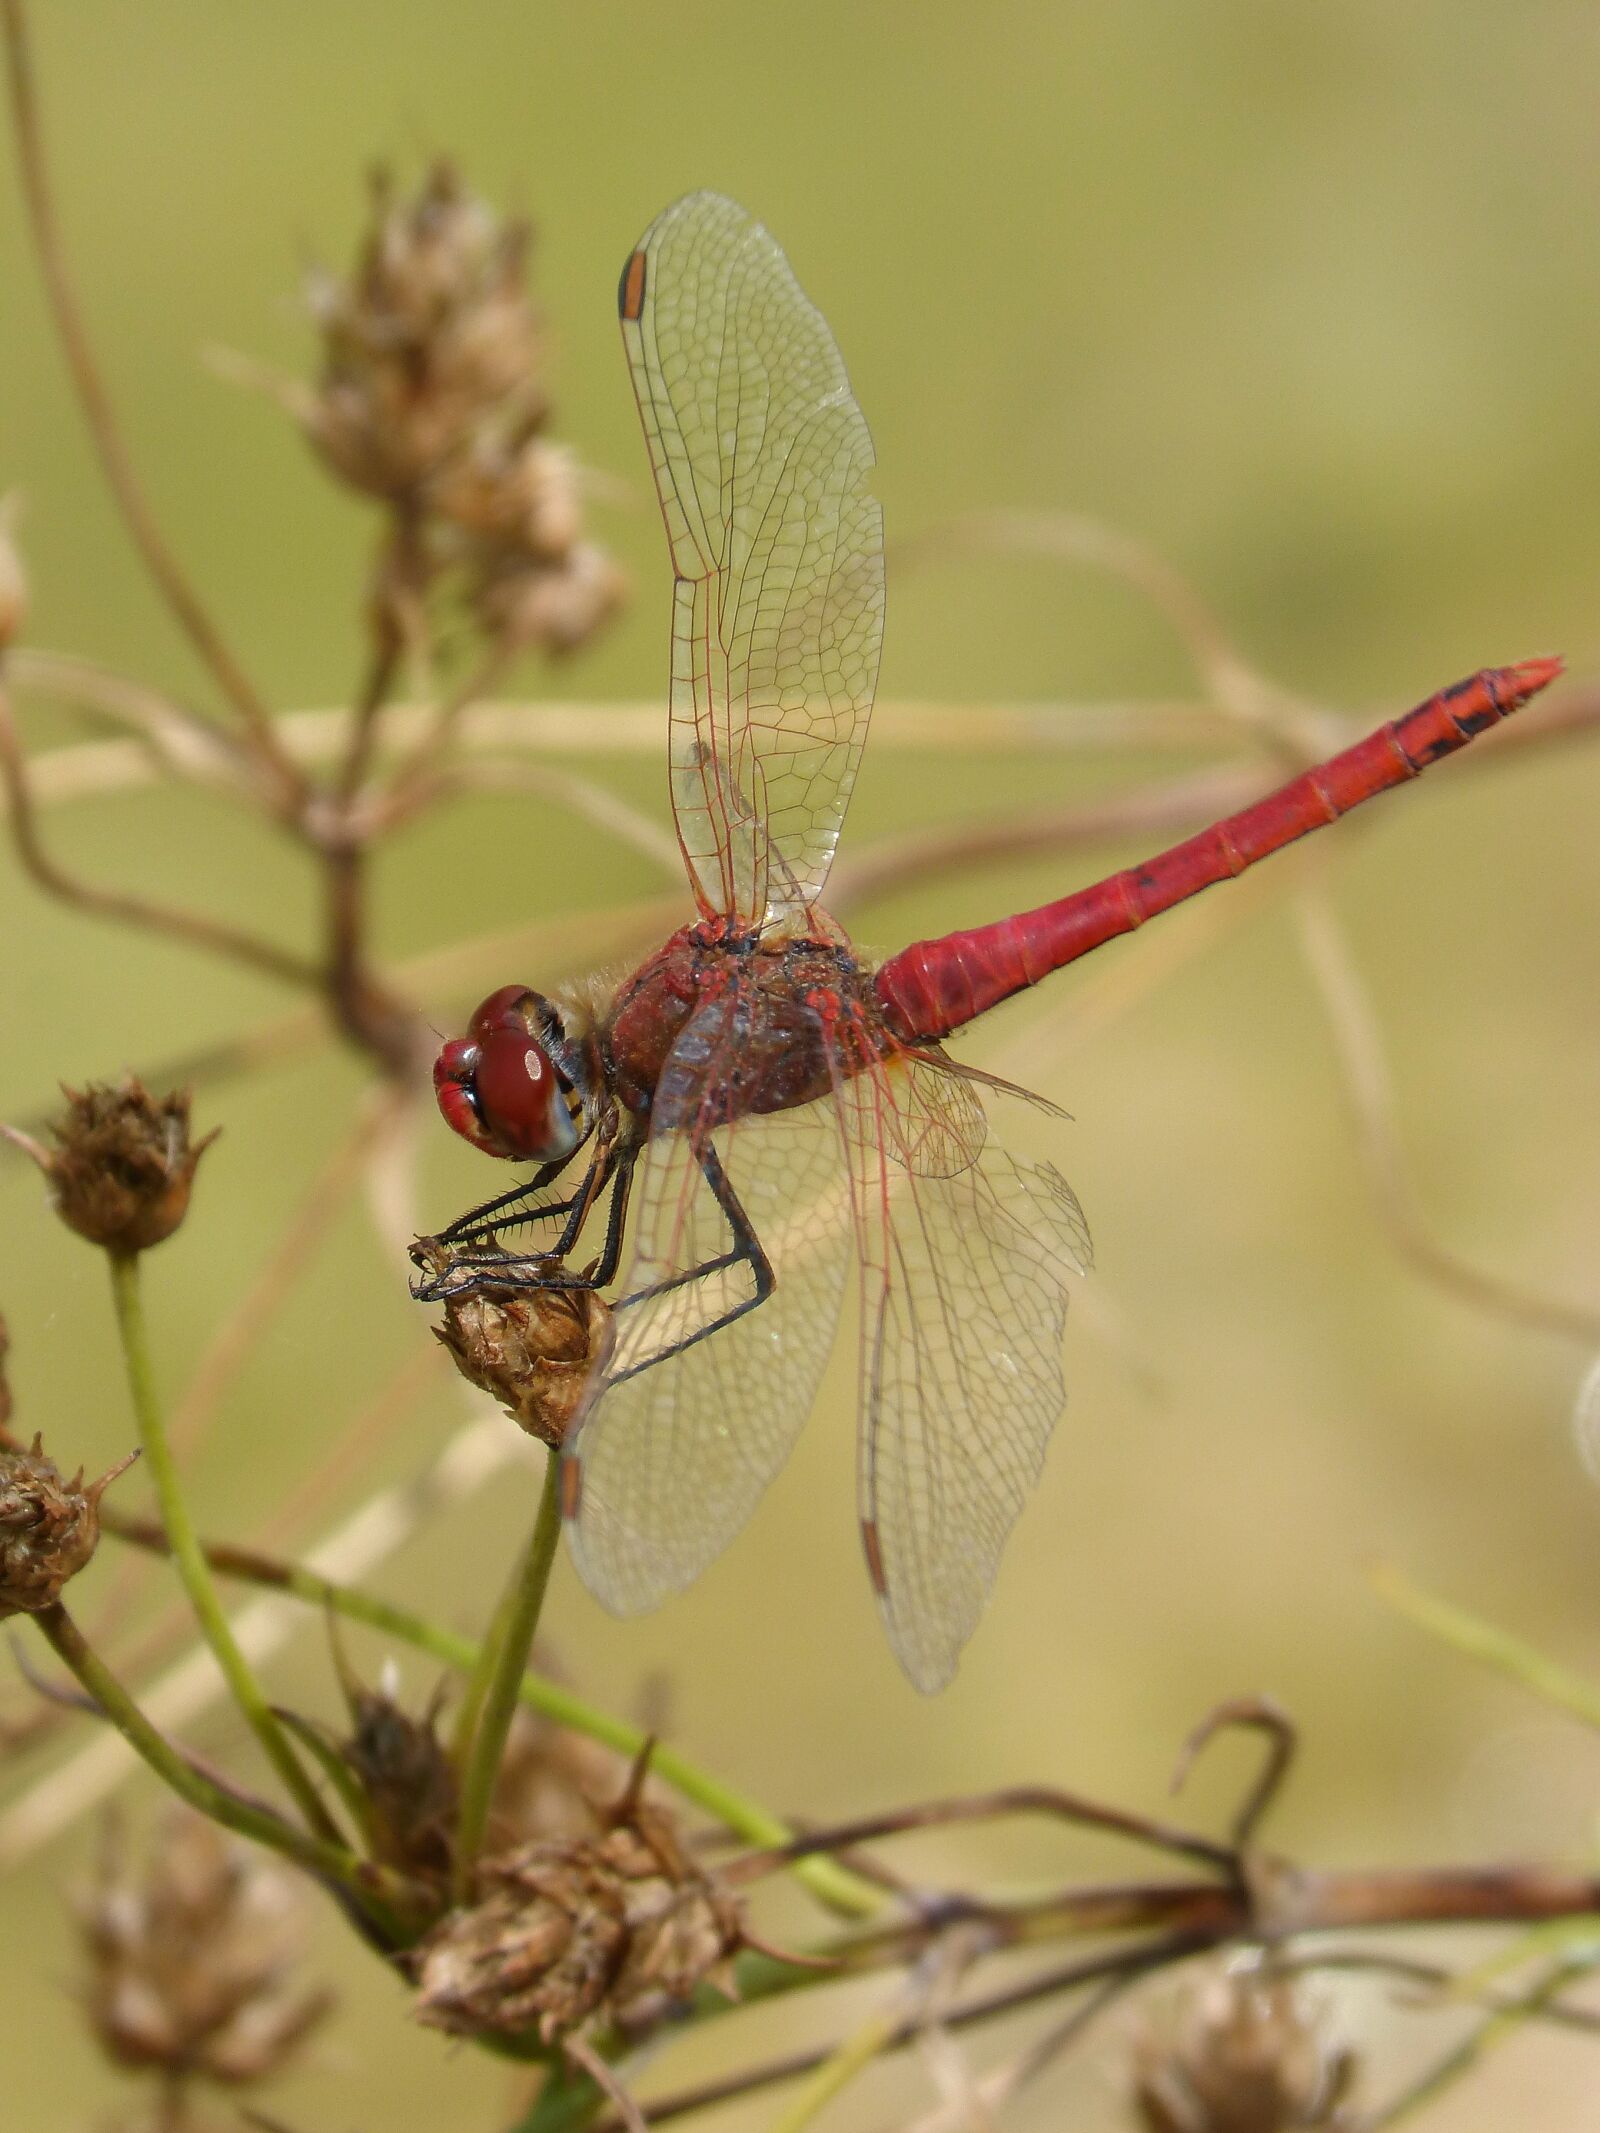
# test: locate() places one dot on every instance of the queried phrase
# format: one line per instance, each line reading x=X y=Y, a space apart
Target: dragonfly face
x=518 y=1085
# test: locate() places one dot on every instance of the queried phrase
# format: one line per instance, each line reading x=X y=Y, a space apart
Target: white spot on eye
x=530 y=1064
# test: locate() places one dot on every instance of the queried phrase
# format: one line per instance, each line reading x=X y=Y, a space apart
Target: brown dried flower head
x=430 y=337
x=191 y=1963
x=49 y=1527
x=405 y=1779
x=1240 y=2054
x=622 y=1927
x=123 y=1165
x=536 y=1352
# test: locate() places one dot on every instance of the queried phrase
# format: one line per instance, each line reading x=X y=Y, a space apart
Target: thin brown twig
x=174 y=737
x=163 y=566
x=1047 y=1800
x=1358 y=1047
x=189 y=927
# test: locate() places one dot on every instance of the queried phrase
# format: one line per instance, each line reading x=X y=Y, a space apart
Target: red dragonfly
x=764 y=1110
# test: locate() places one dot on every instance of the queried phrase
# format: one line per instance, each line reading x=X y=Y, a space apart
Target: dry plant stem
x=1359 y=1045
x=329 y=1862
x=743 y=1817
x=398 y=579
x=118 y=467
x=497 y=1680
x=170 y=736
x=1120 y=1968
x=187 y=926
x=1496 y=2029
x=189 y=1557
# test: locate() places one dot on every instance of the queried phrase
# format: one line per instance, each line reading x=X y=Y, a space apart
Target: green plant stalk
x=188 y=1555
x=831 y=1884
x=328 y=1862
x=1524 y=1663
x=498 y=1677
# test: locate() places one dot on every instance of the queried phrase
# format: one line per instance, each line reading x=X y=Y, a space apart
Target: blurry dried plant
x=473 y=1844
x=192 y=1960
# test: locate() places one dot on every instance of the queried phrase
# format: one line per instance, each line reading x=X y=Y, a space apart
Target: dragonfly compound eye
x=501 y=1092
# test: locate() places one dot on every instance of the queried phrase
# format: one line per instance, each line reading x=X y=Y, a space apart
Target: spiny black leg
x=477 y=1217
x=745 y=1251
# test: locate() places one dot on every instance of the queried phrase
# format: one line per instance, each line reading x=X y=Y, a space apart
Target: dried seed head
x=537 y=1352
x=123 y=1165
x=190 y=1963
x=430 y=338
x=554 y=606
x=1239 y=2054
x=49 y=1527
x=406 y=1780
x=622 y=1926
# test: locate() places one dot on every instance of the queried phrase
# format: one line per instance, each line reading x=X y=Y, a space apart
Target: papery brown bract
x=123 y=1166
x=535 y=1351
x=49 y=1527
x=622 y=1927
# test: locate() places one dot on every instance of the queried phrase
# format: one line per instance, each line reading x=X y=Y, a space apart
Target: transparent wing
x=760 y=456
x=965 y=1268
x=700 y=1407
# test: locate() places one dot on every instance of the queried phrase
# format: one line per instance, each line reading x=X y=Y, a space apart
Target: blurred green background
x=1308 y=299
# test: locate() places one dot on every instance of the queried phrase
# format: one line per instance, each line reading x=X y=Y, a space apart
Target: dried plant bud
x=431 y=337
x=537 y=1352
x=406 y=1780
x=191 y=1963
x=13 y=578
x=622 y=1927
x=1239 y=2054
x=123 y=1165
x=49 y=1528
x=555 y=606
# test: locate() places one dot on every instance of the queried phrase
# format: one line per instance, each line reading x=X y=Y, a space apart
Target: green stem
x=189 y=1556
x=498 y=1676
x=1490 y=1645
x=829 y=1883
x=329 y=1862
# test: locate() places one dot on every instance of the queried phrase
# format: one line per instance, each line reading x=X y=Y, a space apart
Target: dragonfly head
x=518 y=1085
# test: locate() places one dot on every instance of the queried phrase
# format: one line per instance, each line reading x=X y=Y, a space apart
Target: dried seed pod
x=406 y=1780
x=622 y=1927
x=430 y=338
x=191 y=1962
x=537 y=1351
x=123 y=1165
x=1240 y=2054
x=556 y=606
x=49 y=1528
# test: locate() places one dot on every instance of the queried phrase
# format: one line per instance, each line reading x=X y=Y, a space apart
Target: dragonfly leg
x=465 y=1228
x=745 y=1250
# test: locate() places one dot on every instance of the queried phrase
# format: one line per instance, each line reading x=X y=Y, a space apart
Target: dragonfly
x=755 y=1120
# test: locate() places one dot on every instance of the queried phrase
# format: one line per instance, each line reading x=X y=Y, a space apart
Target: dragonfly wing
x=760 y=456
x=695 y=1417
x=966 y=1266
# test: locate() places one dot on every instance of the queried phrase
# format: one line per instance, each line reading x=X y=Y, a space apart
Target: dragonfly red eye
x=500 y=1091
